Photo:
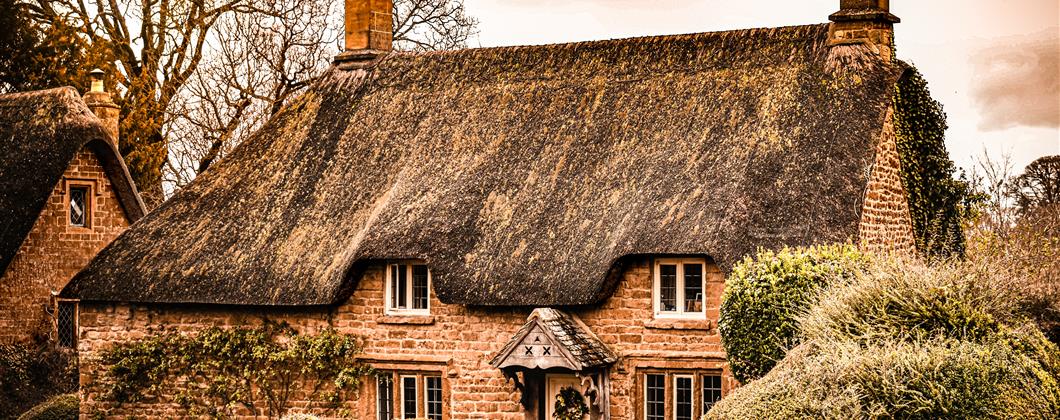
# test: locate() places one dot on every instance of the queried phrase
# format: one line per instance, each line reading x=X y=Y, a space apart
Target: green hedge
x=764 y=294
x=909 y=341
x=60 y=407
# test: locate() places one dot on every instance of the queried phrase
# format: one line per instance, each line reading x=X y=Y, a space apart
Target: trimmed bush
x=909 y=341
x=60 y=407
x=30 y=373
x=763 y=296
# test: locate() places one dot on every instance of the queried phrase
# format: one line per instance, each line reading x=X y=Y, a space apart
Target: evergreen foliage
x=765 y=294
x=61 y=407
x=938 y=201
x=219 y=370
x=904 y=340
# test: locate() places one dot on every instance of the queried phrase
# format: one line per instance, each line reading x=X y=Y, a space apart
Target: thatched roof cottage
x=499 y=223
x=64 y=194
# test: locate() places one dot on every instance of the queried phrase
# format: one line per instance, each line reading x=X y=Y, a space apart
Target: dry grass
x=907 y=340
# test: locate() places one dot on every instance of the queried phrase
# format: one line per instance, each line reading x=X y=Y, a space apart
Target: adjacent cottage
x=64 y=194
x=501 y=223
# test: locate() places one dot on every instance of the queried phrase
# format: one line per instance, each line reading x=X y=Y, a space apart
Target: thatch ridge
x=522 y=174
x=40 y=133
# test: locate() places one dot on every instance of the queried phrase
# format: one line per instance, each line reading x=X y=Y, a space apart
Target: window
x=683 y=397
x=433 y=384
x=384 y=397
x=418 y=395
x=671 y=395
x=679 y=285
x=408 y=289
x=66 y=324
x=79 y=203
x=655 y=397
x=711 y=391
x=409 y=397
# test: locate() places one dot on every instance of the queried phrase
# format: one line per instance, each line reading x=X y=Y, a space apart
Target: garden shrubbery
x=30 y=373
x=60 y=407
x=764 y=294
x=906 y=340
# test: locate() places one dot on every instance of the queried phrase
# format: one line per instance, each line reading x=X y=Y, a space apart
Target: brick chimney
x=99 y=101
x=369 y=32
x=868 y=22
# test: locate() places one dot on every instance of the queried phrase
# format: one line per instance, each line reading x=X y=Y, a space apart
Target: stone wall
x=456 y=342
x=54 y=250
x=886 y=225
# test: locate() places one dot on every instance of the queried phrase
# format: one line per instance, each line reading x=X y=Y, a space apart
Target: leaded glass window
x=711 y=391
x=385 y=397
x=679 y=288
x=682 y=398
x=433 y=386
x=655 y=396
x=79 y=206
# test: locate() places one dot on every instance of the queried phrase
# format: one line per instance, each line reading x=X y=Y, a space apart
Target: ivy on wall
x=217 y=371
x=938 y=201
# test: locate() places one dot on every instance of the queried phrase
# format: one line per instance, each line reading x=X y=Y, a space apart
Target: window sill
x=679 y=324
x=405 y=319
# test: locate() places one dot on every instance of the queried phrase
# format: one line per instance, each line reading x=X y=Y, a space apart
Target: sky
x=994 y=64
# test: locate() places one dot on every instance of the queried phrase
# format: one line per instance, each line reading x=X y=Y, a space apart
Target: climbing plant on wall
x=219 y=370
x=938 y=200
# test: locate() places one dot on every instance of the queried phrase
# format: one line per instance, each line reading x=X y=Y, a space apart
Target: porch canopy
x=553 y=339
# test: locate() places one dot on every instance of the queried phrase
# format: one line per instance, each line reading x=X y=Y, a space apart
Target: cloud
x=1017 y=82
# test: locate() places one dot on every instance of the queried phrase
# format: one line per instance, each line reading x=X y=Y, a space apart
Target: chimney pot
x=369 y=32
x=867 y=22
x=101 y=104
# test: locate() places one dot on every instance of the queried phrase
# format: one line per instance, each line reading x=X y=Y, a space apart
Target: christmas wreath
x=570 y=405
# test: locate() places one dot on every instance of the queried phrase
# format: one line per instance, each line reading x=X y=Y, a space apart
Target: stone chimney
x=867 y=22
x=369 y=32
x=99 y=101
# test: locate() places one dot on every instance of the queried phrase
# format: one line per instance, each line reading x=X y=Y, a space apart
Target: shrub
x=60 y=407
x=30 y=373
x=909 y=341
x=218 y=370
x=764 y=294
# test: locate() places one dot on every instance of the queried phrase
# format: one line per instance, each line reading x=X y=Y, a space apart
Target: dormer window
x=678 y=288
x=408 y=289
x=79 y=206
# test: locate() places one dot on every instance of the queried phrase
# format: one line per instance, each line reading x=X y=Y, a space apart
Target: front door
x=553 y=384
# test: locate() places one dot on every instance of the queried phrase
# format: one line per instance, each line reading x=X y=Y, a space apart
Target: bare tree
x=259 y=61
x=992 y=180
x=157 y=46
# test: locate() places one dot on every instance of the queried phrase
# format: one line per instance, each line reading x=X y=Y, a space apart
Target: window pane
x=667 y=288
x=711 y=391
x=419 y=287
x=434 y=397
x=66 y=321
x=78 y=208
x=683 y=398
x=408 y=397
x=384 y=397
x=403 y=288
x=655 y=396
x=693 y=288
x=395 y=279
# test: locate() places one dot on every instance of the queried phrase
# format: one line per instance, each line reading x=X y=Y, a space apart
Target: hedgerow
x=765 y=294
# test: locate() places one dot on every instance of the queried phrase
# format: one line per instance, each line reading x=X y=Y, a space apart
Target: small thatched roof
x=522 y=174
x=40 y=133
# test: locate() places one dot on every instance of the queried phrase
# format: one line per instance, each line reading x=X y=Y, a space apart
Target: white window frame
x=388 y=290
x=379 y=400
x=645 y=398
x=401 y=403
x=656 y=295
x=427 y=399
x=691 y=396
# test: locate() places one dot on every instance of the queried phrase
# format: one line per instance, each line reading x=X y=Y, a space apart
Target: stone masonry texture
x=54 y=251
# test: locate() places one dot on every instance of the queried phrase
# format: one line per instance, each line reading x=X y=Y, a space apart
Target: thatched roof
x=522 y=174
x=40 y=133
